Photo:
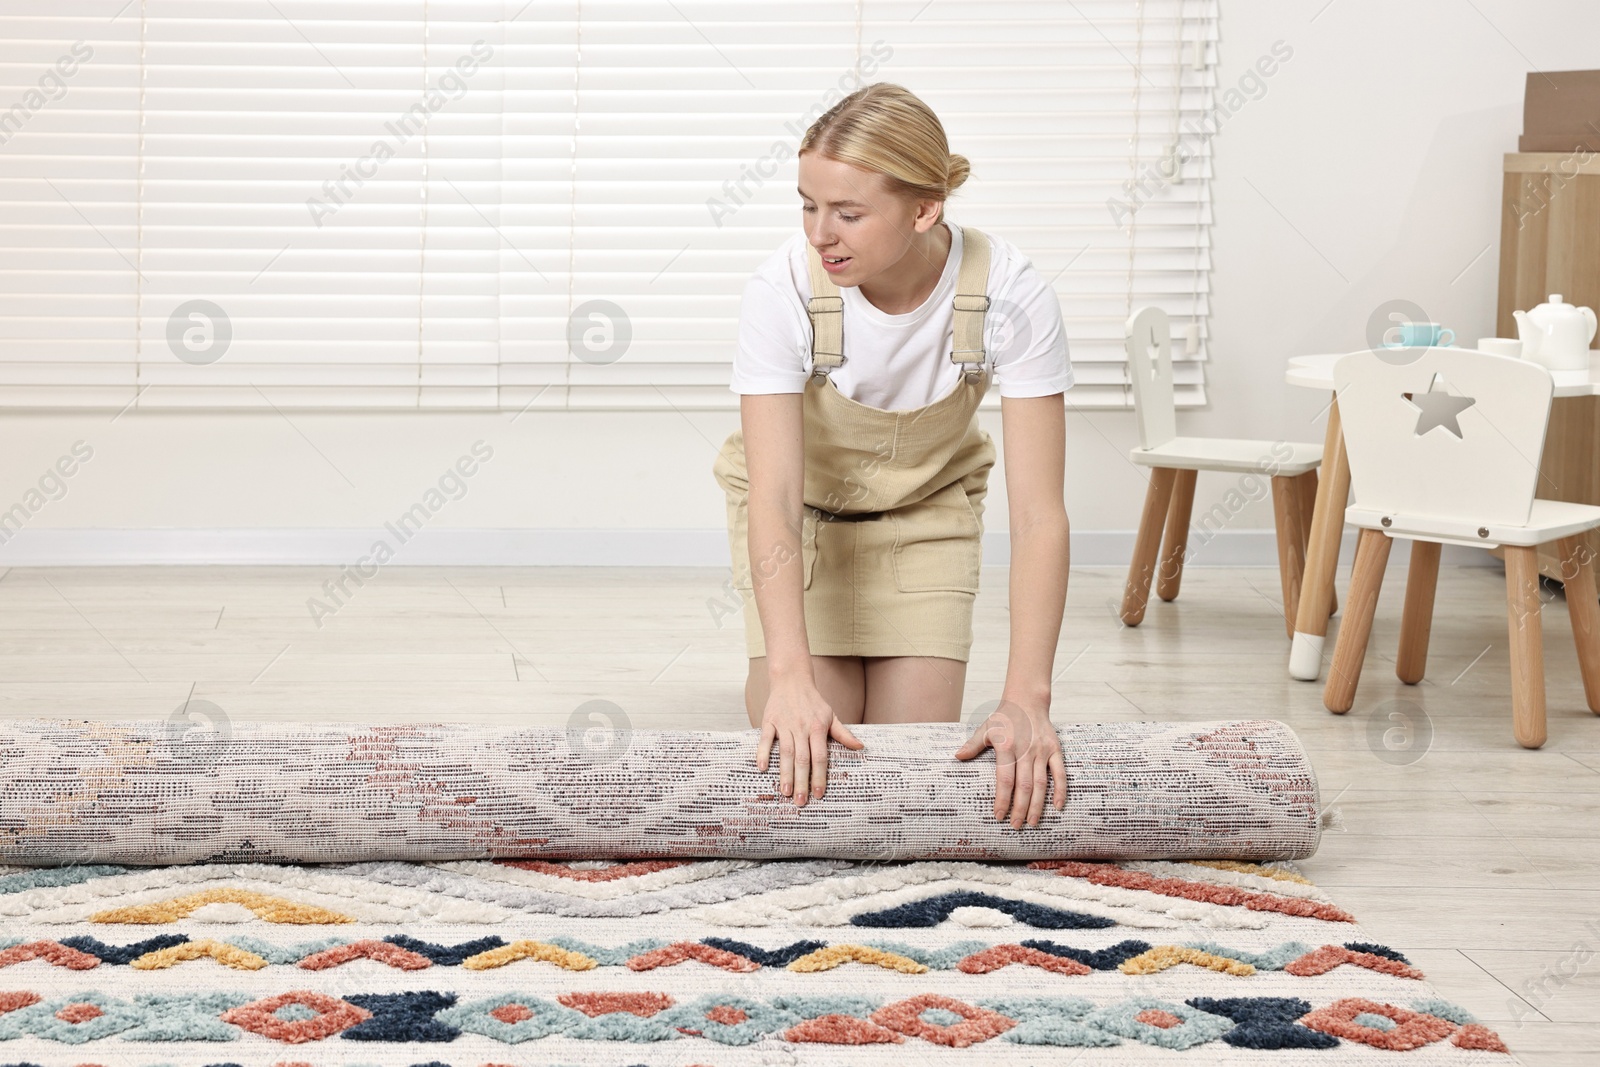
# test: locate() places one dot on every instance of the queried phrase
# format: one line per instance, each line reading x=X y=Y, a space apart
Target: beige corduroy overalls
x=890 y=540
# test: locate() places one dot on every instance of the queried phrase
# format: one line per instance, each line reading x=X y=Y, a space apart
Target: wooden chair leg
x=1289 y=515
x=1307 y=493
x=1170 y=574
x=1372 y=556
x=1527 y=645
x=1136 y=594
x=1577 y=574
x=1416 y=623
x=1322 y=553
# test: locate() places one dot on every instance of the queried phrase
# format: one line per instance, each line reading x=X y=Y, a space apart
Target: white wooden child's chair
x=1175 y=463
x=1444 y=449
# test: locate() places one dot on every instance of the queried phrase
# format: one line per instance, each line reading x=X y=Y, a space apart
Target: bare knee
x=756 y=689
x=902 y=689
x=840 y=679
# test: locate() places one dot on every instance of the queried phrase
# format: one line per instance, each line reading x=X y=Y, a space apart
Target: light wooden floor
x=1478 y=859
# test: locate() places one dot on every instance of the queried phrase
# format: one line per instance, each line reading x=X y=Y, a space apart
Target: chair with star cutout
x=1175 y=463
x=1444 y=447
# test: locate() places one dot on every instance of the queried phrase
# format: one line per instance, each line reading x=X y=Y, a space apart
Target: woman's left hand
x=1027 y=754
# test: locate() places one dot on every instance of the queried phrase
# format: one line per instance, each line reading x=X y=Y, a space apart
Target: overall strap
x=971 y=302
x=826 y=309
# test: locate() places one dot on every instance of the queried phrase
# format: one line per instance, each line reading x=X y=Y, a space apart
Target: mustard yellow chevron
x=1163 y=956
x=1252 y=868
x=538 y=950
x=271 y=909
x=825 y=959
x=222 y=952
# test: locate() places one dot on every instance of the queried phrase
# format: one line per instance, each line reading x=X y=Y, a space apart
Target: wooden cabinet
x=1550 y=243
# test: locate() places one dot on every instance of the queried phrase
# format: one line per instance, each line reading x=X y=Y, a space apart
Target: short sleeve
x=1028 y=338
x=772 y=341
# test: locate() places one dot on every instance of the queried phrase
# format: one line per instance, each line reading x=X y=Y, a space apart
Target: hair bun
x=958 y=171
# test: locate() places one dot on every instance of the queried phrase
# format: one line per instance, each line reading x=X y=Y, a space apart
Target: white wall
x=1369 y=170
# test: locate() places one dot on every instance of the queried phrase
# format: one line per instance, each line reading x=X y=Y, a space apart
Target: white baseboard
x=548 y=547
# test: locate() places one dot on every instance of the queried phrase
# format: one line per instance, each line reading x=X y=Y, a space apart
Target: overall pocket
x=938 y=543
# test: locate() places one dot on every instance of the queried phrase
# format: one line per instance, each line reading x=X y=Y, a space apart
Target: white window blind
x=468 y=204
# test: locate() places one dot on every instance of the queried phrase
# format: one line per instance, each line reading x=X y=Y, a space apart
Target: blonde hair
x=886 y=128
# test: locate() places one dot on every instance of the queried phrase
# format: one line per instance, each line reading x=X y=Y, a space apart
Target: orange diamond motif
x=79 y=1013
x=332 y=1016
x=512 y=1014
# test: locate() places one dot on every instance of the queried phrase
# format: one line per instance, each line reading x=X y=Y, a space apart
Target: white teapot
x=1557 y=334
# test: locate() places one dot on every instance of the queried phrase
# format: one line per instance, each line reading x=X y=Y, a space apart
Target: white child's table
x=1333 y=492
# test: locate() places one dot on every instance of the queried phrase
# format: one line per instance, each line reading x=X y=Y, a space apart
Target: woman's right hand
x=802 y=722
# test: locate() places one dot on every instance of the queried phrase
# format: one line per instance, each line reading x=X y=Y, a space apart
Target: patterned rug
x=721 y=963
x=155 y=792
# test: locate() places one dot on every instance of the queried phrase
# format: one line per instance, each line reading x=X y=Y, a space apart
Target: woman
x=856 y=483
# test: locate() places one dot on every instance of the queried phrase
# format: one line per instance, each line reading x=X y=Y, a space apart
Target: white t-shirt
x=899 y=362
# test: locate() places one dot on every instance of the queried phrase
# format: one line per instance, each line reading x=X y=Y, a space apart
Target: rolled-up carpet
x=157 y=792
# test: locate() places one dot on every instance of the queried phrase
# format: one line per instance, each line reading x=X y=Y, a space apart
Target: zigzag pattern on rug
x=735 y=962
x=300 y=1016
x=406 y=953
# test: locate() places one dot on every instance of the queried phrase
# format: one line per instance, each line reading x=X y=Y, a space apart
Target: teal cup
x=1417 y=335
